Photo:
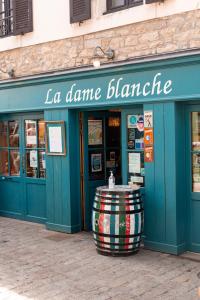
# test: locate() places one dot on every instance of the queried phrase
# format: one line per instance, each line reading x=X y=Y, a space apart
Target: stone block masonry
x=158 y=36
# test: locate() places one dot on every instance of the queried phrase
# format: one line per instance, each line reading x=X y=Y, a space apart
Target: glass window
x=112 y=4
x=3 y=134
x=31 y=134
x=13 y=133
x=41 y=134
x=42 y=164
x=35 y=148
x=195 y=131
x=195 y=146
x=14 y=163
x=117 y=3
x=4 y=162
x=31 y=163
x=135 y=147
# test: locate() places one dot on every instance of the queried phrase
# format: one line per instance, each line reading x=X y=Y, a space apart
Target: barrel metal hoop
x=118 y=236
x=118 y=212
x=117 y=250
x=114 y=196
x=116 y=244
x=118 y=204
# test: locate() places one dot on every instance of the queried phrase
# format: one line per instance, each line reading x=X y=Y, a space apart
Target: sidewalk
x=40 y=264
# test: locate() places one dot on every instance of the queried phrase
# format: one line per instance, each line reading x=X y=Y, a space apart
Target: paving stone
x=39 y=264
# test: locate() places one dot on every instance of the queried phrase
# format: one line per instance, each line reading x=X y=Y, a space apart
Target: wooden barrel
x=117 y=220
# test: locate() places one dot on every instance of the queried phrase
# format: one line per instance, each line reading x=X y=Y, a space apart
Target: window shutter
x=22 y=16
x=153 y=1
x=80 y=10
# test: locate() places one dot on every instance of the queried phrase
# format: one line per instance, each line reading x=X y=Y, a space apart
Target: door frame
x=129 y=109
x=190 y=195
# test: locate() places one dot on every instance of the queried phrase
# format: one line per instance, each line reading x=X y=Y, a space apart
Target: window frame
x=6 y=18
x=128 y=4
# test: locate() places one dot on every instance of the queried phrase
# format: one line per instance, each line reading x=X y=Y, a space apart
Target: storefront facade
x=58 y=190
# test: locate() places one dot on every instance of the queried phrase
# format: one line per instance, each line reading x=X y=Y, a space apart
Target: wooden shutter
x=153 y=1
x=80 y=10
x=22 y=16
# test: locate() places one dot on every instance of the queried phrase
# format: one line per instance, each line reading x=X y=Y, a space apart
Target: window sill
x=109 y=11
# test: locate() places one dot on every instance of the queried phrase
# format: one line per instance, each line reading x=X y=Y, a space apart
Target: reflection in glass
x=42 y=164
x=117 y=3
x=195 y=131
x=3 y=134
x=31 y=163
x=31 y=133
x=41 y=134
x=13 y=133
x=196 y=172
x=14 y=163
x=4 y=162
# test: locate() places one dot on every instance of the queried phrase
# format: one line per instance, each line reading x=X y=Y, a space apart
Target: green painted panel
x=155 y=81
x=170 y=172
x=36 y=206
x=11 y=196
x=63 y=196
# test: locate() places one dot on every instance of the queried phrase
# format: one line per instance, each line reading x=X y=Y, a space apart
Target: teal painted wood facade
x=167 y=193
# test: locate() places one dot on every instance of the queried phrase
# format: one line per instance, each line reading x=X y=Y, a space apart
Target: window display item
x=111 y=181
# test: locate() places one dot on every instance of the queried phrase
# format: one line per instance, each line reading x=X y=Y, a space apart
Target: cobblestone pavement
x=40 y=264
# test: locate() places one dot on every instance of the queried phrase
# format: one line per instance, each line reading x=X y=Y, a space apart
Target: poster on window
x=31 y=137
x=148 y=136
x=33 y=159
x=95 y=132
x=96 y=162
x=148 y=154
x=148 y=119
x=134 y=162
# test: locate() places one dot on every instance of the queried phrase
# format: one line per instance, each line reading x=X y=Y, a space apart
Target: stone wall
x=157 y=36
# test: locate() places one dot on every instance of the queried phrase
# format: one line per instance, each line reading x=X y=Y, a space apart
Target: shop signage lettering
x=115 y=89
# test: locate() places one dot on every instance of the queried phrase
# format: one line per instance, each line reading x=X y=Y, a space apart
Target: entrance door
x=102 y=154
x=193 y=167
x=22 y=167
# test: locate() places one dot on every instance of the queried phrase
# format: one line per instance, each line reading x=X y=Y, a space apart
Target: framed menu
x=55 y=138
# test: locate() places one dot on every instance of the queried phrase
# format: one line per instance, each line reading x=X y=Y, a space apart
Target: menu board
x=56 y=139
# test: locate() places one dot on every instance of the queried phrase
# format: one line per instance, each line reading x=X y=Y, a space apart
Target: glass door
x=102 y=154
x=11 y=184
x=23 y=167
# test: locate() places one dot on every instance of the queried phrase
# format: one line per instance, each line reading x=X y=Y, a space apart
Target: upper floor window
x=121 y=4
x=15 y=17
x=6 y=18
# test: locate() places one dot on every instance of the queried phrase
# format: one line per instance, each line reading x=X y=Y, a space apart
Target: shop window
x=195 y=153
x=9 y=148
x=35 y=148
x=135 y=149
x=15 y=17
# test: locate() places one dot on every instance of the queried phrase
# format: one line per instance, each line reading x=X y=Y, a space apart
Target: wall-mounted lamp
x=10 y=72
x=100 y=53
